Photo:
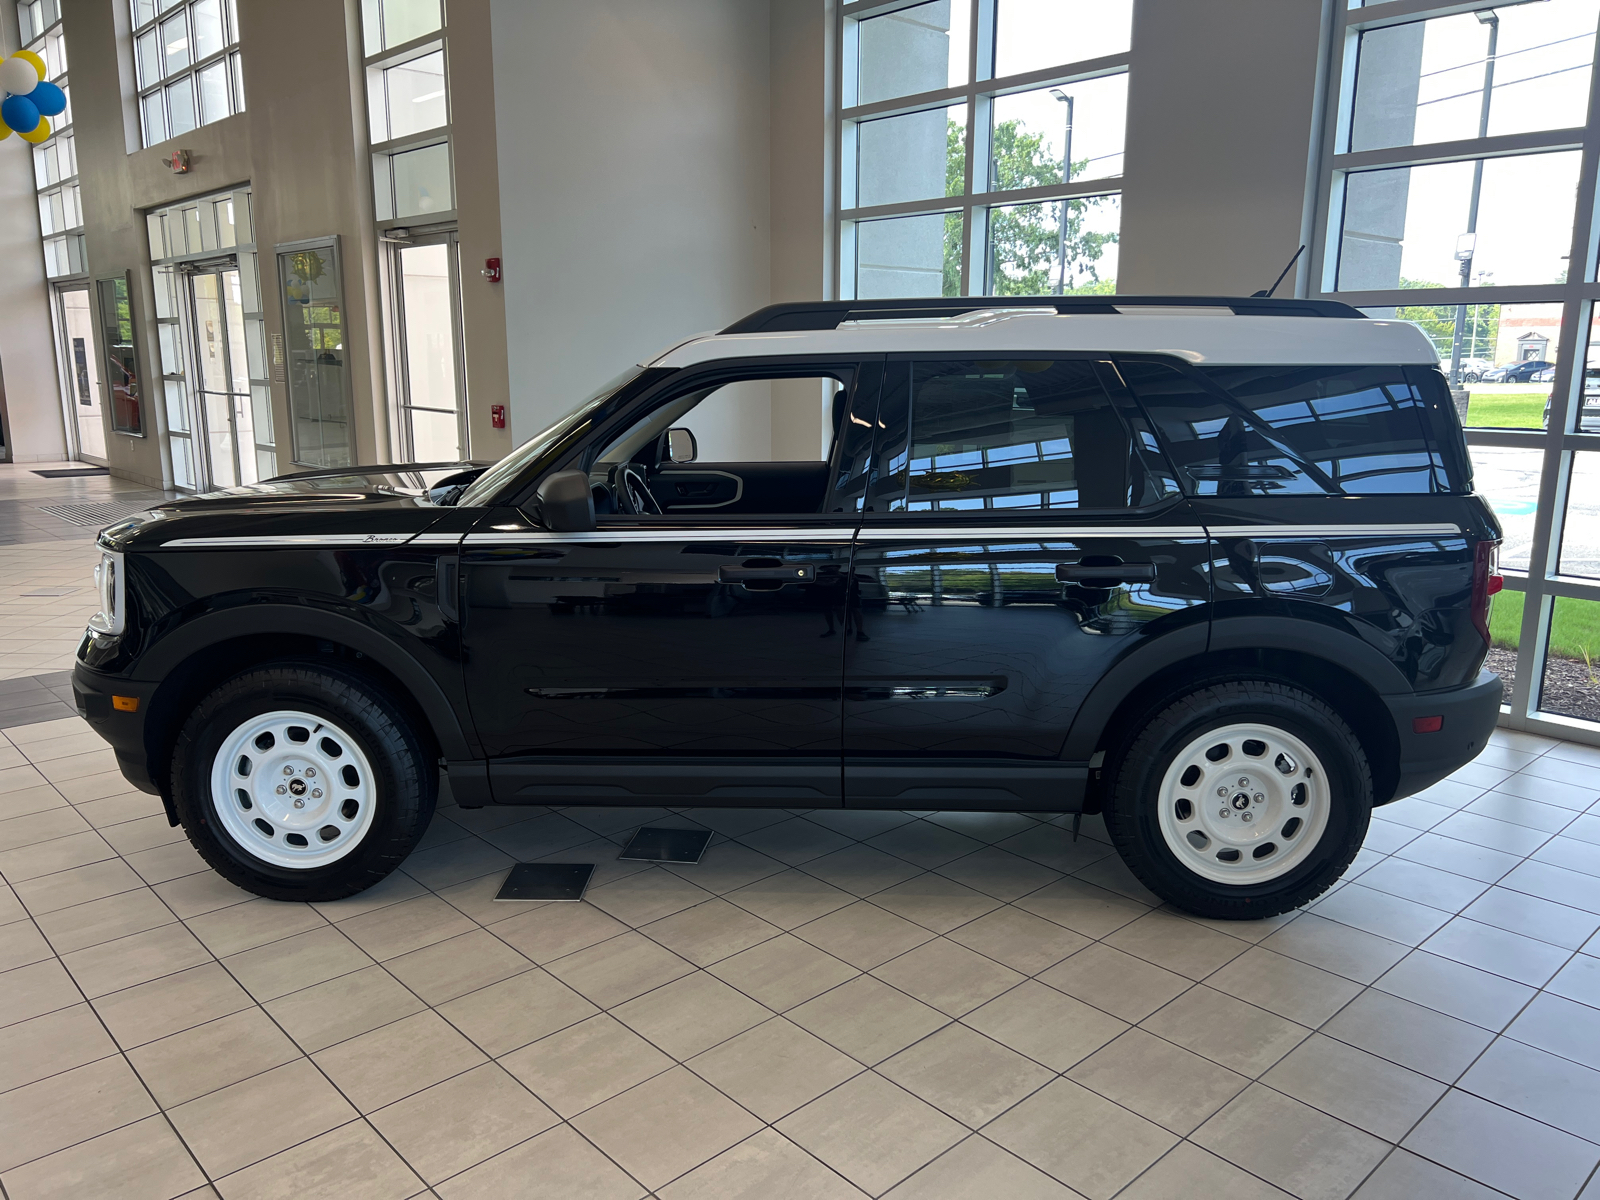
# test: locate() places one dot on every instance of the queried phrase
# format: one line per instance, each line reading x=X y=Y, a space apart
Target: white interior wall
x=634 y=184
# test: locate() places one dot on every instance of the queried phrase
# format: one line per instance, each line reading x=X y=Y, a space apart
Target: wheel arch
x=204 y=652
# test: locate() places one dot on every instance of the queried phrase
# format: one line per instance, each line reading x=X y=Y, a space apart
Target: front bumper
x=124 y=730
x=1469 y=715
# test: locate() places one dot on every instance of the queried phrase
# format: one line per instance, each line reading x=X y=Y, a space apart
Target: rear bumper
x=124 y=730
x=1469 y=715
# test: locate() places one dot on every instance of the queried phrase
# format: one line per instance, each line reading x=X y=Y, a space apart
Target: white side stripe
x=1334 y=531
x=290 y=539
x=786 y=536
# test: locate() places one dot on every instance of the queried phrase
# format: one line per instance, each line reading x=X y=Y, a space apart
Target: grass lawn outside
x=1574 y=630
x=1505 y=410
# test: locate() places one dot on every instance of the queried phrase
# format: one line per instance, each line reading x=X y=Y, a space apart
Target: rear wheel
x=302 y=782
x=1243 y=799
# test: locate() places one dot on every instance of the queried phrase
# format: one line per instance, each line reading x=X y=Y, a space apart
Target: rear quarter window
x=1295 y=430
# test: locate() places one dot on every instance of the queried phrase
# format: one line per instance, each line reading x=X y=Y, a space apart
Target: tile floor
x=832 y=1004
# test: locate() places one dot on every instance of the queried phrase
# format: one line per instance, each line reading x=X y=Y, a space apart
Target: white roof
x=1198 y=335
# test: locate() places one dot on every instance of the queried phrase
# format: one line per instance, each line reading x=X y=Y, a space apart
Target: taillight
x=1486 y=581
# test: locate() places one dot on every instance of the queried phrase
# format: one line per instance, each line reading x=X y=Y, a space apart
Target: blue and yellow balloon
x=29 y=101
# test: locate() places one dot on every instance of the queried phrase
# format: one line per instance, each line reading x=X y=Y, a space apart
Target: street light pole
x=1066 y=177
x=1492 y=20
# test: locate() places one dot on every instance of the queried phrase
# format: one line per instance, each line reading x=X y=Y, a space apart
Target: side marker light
x=1426 y=724
x=125 y=703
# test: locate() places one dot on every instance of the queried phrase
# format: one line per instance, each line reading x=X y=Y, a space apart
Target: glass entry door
x=427 y=304
x=80 y=374
x=227 y=444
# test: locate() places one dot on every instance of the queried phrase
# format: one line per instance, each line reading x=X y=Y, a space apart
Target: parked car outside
x=1057 y=554
x=1519 y=372
x=1589 y=403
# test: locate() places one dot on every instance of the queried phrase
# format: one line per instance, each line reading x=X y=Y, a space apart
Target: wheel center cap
x=297 y=787
x=1240 y=800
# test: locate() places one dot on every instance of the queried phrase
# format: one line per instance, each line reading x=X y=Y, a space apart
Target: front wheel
x=301 y=782
x=1241 y=800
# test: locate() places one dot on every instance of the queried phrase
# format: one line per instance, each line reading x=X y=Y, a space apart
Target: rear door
x=1022 y=535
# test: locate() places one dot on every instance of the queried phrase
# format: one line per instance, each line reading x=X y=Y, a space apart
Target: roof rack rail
x=828 y=314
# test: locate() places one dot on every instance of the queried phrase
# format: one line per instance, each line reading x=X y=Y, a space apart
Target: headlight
x=108 y=582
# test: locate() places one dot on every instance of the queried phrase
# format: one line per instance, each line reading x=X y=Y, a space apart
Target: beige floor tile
x=924 y=844
x=458 y=1123
x=1240 y=1036
x=646 y=896
x=965 y=1074
x=863 y=935
x=241 y=927
x=710 y=932
x=690 y=1014
x=565 y=1164
x=151 y=1011
x=1164 y=1083
x=935 y=902
x=391 y=890
x=203 y=892
x=774 y=1068
x=48 y=858
x=1019 y=939
x=1046 y=1025
x=141 y=1161
x=1179 y=945
x=43 y=826
x=949 y=977
x=782 y=972
x=1295 y=1147
x=585 y=1064
x=397 y=929
x=299 y=961
x=515 y=1011
x=73 y=745
x=76 y=886
x=348 y=1163
x=872 y=1132
x=459 y=965
x=762 y=1166
x=861 y=870
x=1338 y=948
x=396 y=1060
x=1360 y=1089
x=197 y=1061
x=1503 y=1149
x=1082 y=1139
x=138 y=958
x=794 y=841
x=1305 y=994
x=999 y=873
x=1117 y=983
x=69 y=1108
x=258 y=1117
x=728 y=866
x=20 y=801
x=326 y=1014
x=104 y=920
x=143 y=833
x=789 y=898
x=457 y=861
x=1090 y=910
x=163 y=863
x=21 y=943
x=977 y=1169
x=665 y=1126
x=867 y=1019
x=1457 y=989
x=128 y=806
x=1188 y=1172
x=554 y=931
x=620 y=969
x=36 y=1049
x=1540 y=1085
x=1409 y=1034
x=1404 y=1176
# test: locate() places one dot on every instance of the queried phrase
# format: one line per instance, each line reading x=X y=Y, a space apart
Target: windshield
x=509 y=467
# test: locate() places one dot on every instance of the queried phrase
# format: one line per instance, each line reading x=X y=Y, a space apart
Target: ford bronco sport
x=1211 y=567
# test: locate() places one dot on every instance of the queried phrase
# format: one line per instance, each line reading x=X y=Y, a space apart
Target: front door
x=228 y=443
x=691 y=647
x=1019 y=541
x=80 y=367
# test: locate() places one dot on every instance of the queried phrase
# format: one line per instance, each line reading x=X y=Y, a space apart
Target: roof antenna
x=1267 y=295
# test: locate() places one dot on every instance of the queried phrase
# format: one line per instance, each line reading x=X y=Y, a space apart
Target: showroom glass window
x=1458 y=193
x=981 y=147
x=408 y=109
x=55 y=160
x=186 y=58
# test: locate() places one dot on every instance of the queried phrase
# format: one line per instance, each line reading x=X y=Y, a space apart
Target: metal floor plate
x=546 y=881
x=666 y=845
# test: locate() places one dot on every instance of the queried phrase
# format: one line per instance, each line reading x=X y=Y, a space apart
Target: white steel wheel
x=1244 y=804
x=293 y=790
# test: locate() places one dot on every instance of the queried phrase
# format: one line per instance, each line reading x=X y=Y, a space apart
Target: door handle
x=1102 y=574
x=767 y=571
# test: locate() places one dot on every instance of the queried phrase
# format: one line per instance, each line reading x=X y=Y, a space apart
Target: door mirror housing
x=680 y=445
x=566 y=502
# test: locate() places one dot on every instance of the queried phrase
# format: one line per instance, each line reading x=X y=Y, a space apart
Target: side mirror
x=681 y=446
x=566 y=502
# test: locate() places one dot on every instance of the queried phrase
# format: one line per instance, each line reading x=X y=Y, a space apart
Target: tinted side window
x=1039 y=434
x=1250 y=431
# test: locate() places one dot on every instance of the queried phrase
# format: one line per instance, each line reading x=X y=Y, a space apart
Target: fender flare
x=1340 y=648
x=263 y=620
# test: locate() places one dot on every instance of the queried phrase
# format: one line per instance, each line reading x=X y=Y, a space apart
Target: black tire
x=406 y=778
x=1132 y=798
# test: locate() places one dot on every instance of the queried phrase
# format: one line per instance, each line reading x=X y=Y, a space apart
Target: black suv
x=1211 y=567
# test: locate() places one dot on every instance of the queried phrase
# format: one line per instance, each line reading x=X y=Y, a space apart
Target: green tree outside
x=1025 y=237
x=1438 y=321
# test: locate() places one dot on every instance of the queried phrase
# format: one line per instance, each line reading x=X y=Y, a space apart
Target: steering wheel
x=632 y=493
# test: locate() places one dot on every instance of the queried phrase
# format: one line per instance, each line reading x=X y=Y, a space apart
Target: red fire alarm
x=177 y=162
x=497 y=414
x=491 y=270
